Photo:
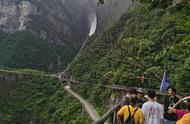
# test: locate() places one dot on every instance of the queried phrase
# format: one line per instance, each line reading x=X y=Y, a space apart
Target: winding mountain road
x=89 y=108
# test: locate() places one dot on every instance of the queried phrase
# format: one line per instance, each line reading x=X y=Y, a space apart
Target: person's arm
x=171 y=110
x=185 y=98
x=161 y=114
x=161 y=121
x=173 y=107
x=144 y=109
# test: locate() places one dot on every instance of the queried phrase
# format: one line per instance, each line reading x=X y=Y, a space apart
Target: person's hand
x=181 y=100
x=169 y=108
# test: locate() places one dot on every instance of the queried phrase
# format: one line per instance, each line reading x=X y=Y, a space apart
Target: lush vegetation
x=24 y=50
x=25 y=71
x=143 y=42
x=147 y=40
x=39 y=100
x=159 y=3
x=155 y=3
x=95 y=94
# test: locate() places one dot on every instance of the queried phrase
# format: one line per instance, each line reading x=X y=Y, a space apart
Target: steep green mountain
x=38 y=99
x=143 y=42
x=25 y=50
x=63 y=22
x=57 y=28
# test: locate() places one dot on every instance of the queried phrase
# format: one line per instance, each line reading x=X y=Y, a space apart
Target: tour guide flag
x=165 y=82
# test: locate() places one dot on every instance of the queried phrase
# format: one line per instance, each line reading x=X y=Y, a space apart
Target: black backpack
x=130 y=119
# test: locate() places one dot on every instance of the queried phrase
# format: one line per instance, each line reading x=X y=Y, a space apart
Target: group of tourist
x=140 y=108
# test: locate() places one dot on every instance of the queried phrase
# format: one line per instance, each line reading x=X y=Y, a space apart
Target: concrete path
x=89 y=108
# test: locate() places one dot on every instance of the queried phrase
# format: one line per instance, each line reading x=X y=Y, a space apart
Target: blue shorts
x=169 y=122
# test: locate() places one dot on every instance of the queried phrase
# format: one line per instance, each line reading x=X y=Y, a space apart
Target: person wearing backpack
x=153 y=111
x=130 y=114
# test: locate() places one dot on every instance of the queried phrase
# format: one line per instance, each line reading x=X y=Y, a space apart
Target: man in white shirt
x=152 y=111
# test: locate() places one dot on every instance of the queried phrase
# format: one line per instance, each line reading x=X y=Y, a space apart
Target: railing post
x=107 y=115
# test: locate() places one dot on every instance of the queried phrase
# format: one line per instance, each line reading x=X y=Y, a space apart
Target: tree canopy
x=154 y=3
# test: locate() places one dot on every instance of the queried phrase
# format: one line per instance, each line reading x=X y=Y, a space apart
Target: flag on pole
x=165 y=82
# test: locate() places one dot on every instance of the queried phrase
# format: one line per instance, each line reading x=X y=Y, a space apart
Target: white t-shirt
x=153 y=112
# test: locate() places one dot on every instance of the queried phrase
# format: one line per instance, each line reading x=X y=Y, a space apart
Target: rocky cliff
x=61 y=23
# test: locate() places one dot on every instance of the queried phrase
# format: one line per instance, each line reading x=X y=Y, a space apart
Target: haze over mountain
x=60 y=27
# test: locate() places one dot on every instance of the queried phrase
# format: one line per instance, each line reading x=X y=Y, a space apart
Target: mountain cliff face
x=62 y=24
x=57 y=21
x=143 y=42
x=110 y=12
